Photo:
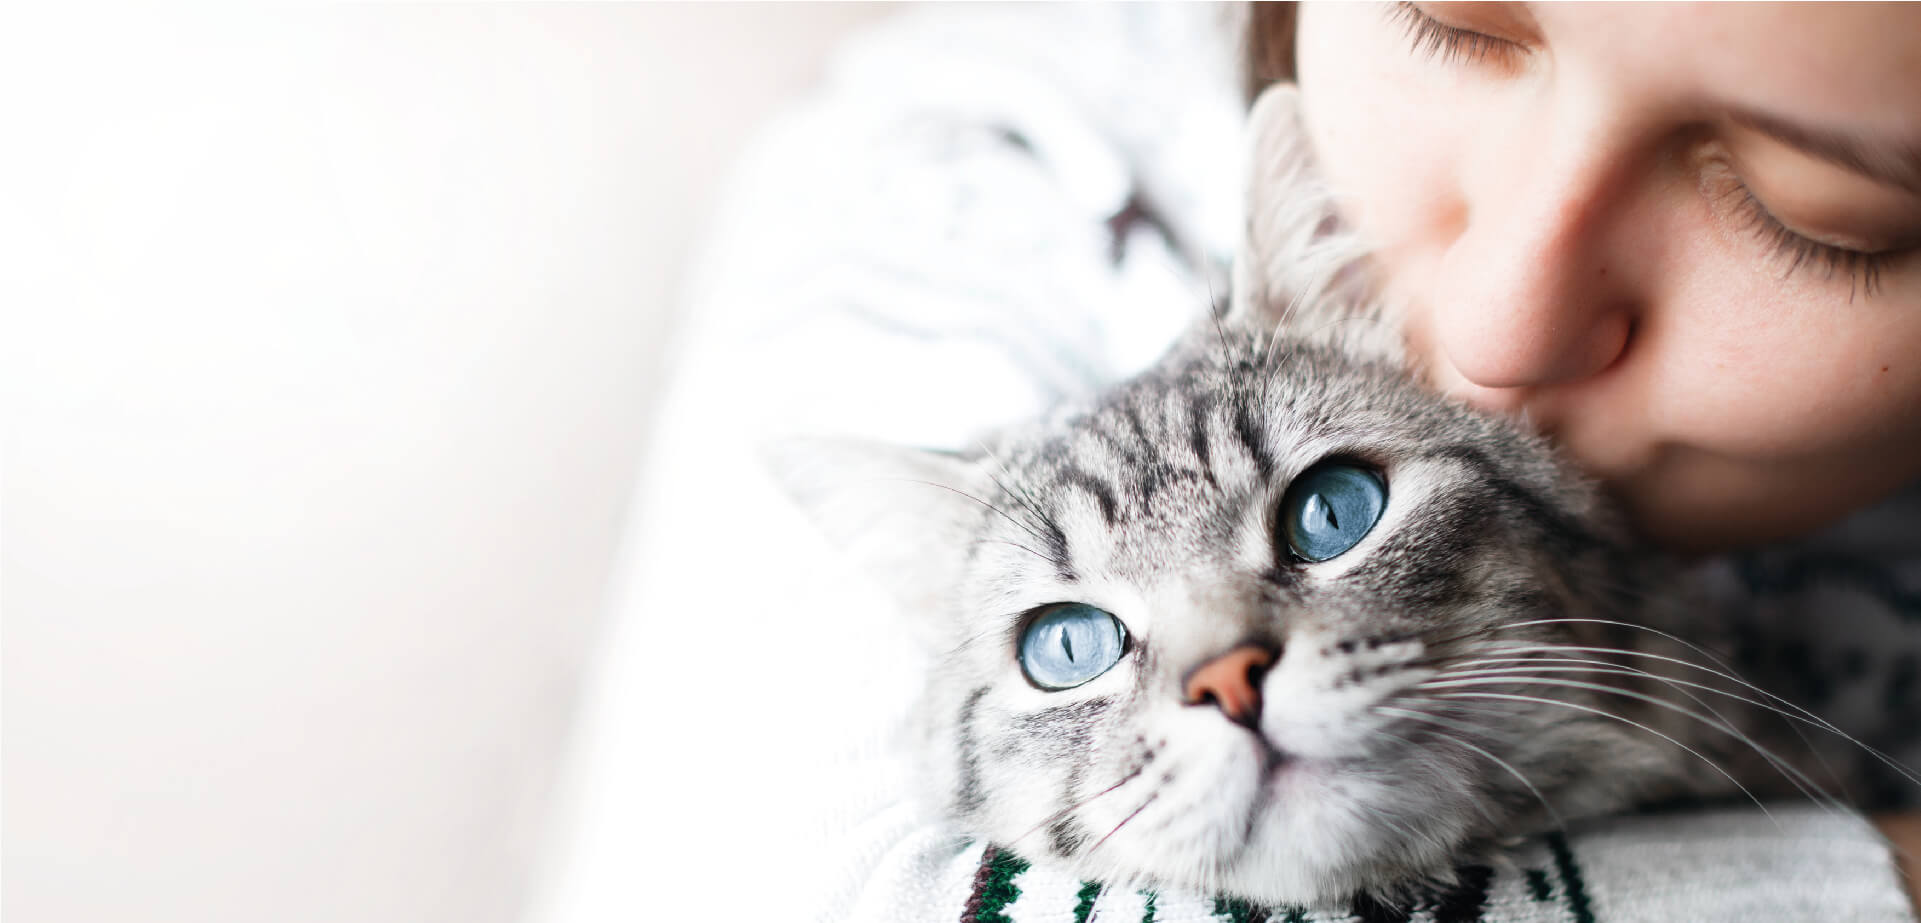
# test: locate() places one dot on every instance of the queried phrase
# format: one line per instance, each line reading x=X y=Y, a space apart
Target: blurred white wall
x=329 y=340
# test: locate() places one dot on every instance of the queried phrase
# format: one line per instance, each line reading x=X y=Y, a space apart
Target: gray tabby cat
x=1271 y=620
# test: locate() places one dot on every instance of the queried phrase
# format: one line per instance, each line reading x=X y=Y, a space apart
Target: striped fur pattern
x=1490 y=660
x=1450 y=680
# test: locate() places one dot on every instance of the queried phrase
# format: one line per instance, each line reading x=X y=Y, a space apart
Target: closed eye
x=1432 y=38
x=1797 y=252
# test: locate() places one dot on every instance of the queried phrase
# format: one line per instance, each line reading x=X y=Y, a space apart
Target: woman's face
x=1685 y=240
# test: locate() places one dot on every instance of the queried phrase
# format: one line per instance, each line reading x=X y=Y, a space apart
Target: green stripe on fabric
x=1537 y=886
x=1089 y=891
x=998 y=889
x=1577 y=902
x=1148 y=915
x=1236 y=910
x=1294 y=914
x=1467 y=900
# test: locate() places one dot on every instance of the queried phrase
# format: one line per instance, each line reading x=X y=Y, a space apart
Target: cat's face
x=1182 y=635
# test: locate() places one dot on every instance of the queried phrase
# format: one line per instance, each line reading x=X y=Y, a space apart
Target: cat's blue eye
x=1069 y=645
x=1330 y=509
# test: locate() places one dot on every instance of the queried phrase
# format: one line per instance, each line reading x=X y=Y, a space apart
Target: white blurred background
x=329 y=348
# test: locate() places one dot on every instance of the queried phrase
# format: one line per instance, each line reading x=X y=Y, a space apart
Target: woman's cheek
x=1793 y=390
x=1752 y=361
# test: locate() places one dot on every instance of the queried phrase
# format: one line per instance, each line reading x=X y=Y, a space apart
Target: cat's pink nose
x=1232 y=682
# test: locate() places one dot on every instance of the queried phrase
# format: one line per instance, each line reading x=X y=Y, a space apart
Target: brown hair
x=1268 y=47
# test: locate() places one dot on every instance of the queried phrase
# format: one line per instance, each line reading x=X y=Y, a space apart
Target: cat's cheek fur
x=1317 y=700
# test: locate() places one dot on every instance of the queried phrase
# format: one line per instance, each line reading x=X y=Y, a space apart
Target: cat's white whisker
x=961 y=648
x=1057 y=815
x=1117 y=827
x=1416 y=715
x=1791 y=720
x=1799 y=779
x=1629 y=721
x=1024 y=527
x=1604 y=666
x=1806 y=716
x=1019 y=493
x=1616 y=623
x=1013 y=544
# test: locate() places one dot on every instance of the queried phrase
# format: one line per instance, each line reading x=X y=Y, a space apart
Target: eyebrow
x=1892 y=163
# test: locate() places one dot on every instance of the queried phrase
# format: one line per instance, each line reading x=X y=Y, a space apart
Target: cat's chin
x=1273 y=870
x=1274 y=873
x=1330 y=834
x=1314 y=832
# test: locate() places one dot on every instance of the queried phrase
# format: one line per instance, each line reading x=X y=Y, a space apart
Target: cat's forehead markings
x=1095 y=544
x=1102 y=493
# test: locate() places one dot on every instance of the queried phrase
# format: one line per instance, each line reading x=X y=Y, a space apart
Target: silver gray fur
x=1493 y=659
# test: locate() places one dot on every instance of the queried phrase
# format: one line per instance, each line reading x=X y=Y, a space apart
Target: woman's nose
x=1533 y=290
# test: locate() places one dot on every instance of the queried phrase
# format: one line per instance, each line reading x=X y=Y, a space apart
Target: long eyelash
x=1862 y=269
x=1435 y=39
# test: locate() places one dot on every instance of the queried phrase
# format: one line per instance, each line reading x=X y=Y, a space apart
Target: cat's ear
x=1296 y=264
x=906 y=514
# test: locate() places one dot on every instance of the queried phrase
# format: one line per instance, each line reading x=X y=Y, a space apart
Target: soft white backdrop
x=330 y=337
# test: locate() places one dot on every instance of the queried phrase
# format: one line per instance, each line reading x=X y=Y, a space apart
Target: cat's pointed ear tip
x=805 y=467
x=905 y=513
x=814 y=469
x=1277 y=97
